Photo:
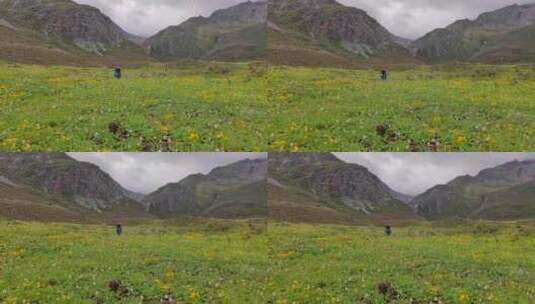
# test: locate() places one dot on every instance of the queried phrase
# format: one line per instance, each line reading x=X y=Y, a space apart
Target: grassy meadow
x=481 y=263
x=455 y=108
x=197 y=106
x=182 y=107
x=242 y=262
x=56 y=263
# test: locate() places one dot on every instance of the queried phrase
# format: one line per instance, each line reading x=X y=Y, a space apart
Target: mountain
x=29 y=47
x=56 y=187
x=327 y=33
x=22 y=203
x=57 y=31
x=235 y=33
x=41 y=181
x=319 y=187
x=233 y=191
x=503 y=192
x=505 y=35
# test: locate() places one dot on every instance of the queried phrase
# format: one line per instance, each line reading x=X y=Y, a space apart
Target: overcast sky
x=414 y=18
x=410 y=173
x=147 y=17
x=414 y=173
x=406 y=18
x=146 y=172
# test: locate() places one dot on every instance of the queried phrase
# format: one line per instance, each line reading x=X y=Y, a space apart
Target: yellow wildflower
x=463 y=298
x=194 y=295
x=461 y=140
x=193 y=136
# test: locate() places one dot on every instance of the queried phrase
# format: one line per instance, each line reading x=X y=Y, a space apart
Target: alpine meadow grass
x=252 y=107
x=240 y=262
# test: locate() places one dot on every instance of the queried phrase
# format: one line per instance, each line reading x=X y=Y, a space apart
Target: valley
x=188 y=152
x=295 y=227
x=244 y=77
x=55 y=187
x=318 y=188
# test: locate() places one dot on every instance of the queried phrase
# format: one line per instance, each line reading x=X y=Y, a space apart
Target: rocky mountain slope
x=21 y=203
x=235 y=33
x=503 y=192
x=233 y=191
x=55 y=180
x=295 y=187
x=321 y=184
x=65 y=28
x=505 y=35
x=327 y=33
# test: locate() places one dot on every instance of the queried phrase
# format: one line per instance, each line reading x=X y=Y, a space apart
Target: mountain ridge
x=482 y=39
x=234 y=33
x=55 y=28
x=234 y=190
x=35 y=183
x=347 y=192
x=483 y=195
x=327 y=33
x=317 y=33
x=296 y=187
x=55 y=180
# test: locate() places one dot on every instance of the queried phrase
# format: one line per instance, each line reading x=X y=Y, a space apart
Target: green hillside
x=514 y=203
x=515 y=46
x=236 y=33
x=498 y=37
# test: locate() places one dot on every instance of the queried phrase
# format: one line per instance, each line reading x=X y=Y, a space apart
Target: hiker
x=388 y=230
x=117 y=73
x=384 y=74
x=119 y=229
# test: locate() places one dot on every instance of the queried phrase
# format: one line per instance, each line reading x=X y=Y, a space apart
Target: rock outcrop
x=325 y=30
x=80 y=31
x=335 y=185
x=82 y=185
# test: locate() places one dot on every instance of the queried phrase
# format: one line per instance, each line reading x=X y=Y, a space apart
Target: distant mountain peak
x=58 y=173
x=336 y=184
x=233 y=190
x=298 y=159
x=494 y=193
x=252 y=12
x=327 y=33
x=234 y=33
x=54 y=186
x=353 y=28
x=489 y=38
x=66 y=31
